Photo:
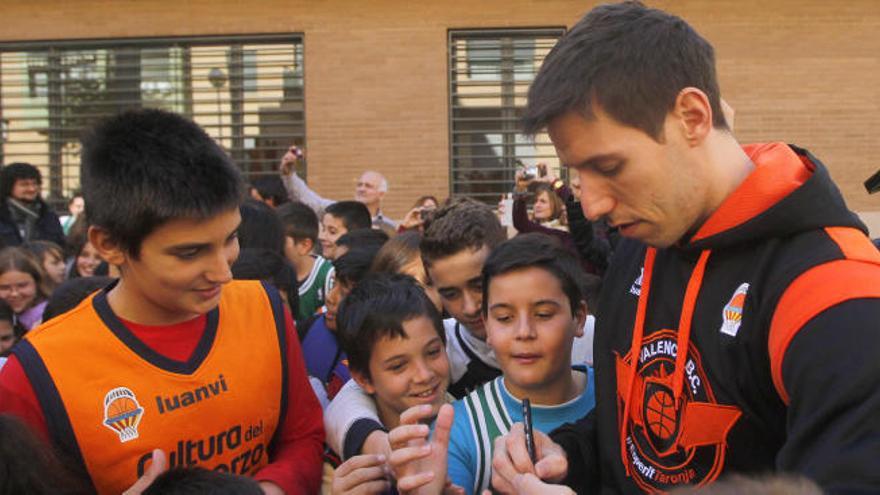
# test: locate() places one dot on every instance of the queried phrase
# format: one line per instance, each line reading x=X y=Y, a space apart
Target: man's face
x=458 y=279
x=654 y=192
x=409 y=371
x=367 y=190
x=25 y=189
x=531 y=328
x=182 y=266
x=332 y=229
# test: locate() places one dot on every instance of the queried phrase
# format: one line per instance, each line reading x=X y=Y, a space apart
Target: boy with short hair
x=339 y=218
x=313 y=271
x=395 y=341
x=175 y=356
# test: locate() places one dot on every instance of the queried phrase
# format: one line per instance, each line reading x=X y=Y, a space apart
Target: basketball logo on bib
x=122 y=413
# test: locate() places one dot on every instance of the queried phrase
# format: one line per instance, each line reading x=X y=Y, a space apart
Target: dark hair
x=271 y=187
x=538 y=251
x=22 y=260
x=14 y=172
x=353 y=214
x=461 y=224
x=353 y=266
x=269 y=266
x=397 y=253
x=363 y=237
x=299 y=220
x=260 y=227
x=142 y=168
x=69 y=294
x=201 y=481
x=28 y=465
x=629 y=60
x=377 y=307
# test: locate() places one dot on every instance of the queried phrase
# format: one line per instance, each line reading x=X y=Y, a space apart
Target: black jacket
x=47 y=228
x=782 y=371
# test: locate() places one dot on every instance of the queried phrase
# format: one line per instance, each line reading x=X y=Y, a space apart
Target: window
x=489 y=75
x=246 y=91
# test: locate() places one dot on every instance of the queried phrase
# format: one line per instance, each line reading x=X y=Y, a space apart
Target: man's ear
x=694 y=114
x=580 y=319
x=363 y=381
x=107 y=246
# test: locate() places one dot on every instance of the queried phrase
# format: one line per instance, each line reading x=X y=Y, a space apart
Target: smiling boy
x=175 y=356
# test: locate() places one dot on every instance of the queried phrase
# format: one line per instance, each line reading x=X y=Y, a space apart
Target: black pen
x=530 y=435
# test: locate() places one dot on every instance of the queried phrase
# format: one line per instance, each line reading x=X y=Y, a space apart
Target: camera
x=427 y=214
x=873 y=183
x=530 y=173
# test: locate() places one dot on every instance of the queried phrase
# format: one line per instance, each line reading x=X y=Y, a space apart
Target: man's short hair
x=300 y=221
x=461 y=224
x=377 y=307
x=142 y=168
x=353 y=214
x=629 y=60
x=537 y=251
x=14 y=172
x=382 y=186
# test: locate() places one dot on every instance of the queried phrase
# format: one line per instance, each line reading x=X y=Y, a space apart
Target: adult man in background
x=24 y=216
x=370 y=189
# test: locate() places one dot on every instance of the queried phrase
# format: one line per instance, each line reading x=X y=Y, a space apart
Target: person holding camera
x=420 y=215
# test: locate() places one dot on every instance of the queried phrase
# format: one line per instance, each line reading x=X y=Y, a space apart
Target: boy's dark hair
x=299 y=220
x=260 y=227
x=629 y=60
x=269 y=266
x=377 y=307
x=271 y=187
x=28 y=465
x=461 y=224
x=201 y=481
x=353 y=214
x=538 y=251
x=69 y=294
x=363 y=237
x=353 y=266
x=142 y=168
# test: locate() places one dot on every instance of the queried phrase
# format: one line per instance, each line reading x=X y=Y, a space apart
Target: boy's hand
x=270 y=488
x=158 y=466
x=361 y=475
x=413 y=219
x=511 y=459
x=419 y=464
x=529 y=484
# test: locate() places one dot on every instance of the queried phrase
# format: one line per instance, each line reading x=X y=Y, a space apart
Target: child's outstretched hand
x=418 y=460
x=361 y=475
x=513 y=471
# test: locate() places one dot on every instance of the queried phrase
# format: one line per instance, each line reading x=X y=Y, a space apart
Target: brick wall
x=806 y=72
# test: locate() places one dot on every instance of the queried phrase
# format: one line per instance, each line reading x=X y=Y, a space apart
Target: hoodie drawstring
x=682 y=343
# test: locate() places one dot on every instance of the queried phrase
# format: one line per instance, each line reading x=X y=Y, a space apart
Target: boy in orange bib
x=174 y=356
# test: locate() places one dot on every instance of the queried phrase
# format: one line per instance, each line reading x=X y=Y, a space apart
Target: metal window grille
x=489 y=75
x=246 y=91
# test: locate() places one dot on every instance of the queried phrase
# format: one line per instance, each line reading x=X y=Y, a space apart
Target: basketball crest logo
x=669 y=444
x=122 y=413
x=733 y=312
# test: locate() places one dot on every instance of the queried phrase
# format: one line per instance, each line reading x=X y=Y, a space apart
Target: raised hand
x=417 y=461
x=158 y=466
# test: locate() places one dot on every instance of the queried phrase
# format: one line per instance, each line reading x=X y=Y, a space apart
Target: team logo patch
x=733 y=311
x=636 y=288
x=671 y=444
x=122 y=413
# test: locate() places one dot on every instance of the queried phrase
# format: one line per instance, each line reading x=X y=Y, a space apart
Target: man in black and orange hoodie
x=737 y=330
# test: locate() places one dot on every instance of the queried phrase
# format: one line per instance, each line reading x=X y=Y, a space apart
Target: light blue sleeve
x=462 y=461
